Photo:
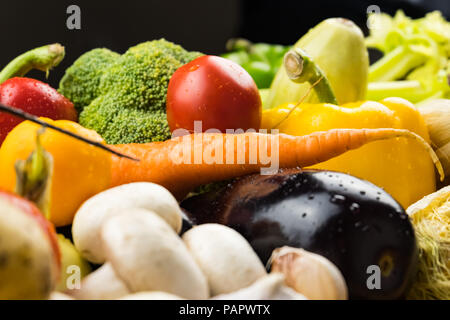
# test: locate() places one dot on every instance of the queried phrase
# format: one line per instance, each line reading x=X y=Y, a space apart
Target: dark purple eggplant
x=352 y=222
x=187 y=222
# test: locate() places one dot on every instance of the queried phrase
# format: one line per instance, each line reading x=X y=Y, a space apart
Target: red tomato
x=35 y=97
x=216 y=91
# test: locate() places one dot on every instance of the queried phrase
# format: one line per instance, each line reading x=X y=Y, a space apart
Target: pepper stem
x=300 y=68
x=34 y=175
x=42 y=58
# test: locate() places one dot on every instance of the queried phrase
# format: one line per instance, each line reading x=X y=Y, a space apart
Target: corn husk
x=431 y=219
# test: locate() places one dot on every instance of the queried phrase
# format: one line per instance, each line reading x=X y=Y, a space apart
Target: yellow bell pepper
x=78 y=170
x=401 y=166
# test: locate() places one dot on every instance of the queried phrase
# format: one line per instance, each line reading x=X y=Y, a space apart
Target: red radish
x=31 y=95
x=31 y=209
x=30 y=260
x=35 y=97
x=216 y=91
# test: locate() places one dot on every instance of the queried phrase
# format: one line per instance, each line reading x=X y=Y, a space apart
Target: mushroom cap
x=151 y=295
x=225 y=257
x=120 y=200
x=102 y=284
x=148 y=255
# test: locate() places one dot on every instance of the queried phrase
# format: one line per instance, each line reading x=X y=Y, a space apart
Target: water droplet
x=194 y=67
x=358 y=224
x=354 y=207
x=337 y=198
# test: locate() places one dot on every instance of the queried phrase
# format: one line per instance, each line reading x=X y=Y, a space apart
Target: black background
x=202 y=25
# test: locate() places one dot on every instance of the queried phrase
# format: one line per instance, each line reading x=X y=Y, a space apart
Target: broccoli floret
x=119 y=124
x=130 y=98
x=81 y=81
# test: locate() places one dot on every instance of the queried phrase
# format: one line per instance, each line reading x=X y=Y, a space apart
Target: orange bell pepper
x=74 y=170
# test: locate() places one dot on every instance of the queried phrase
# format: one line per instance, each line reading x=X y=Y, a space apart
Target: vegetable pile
x=271 y=172
x=123 y=97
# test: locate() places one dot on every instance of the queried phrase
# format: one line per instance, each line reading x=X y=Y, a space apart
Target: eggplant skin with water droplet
x=352 y=222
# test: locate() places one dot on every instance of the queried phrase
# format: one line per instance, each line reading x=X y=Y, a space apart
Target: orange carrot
x=166 y=164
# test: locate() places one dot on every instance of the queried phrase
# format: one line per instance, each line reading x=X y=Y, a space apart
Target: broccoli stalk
x=42 y=58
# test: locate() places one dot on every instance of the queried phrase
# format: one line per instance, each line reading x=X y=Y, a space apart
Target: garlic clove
x=309 y=274
x=436 y=114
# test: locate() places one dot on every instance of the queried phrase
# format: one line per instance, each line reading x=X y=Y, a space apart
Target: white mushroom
x=269 y=287
x=149 y=256
x=309 y=274
x=56 y=295
x=225 y=257
x=151 y=295
x=102 y=284
x=119 y=200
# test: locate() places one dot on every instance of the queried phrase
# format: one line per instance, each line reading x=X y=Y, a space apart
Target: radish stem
x=42 y=58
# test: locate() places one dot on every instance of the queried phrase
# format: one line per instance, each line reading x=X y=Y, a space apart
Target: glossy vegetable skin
x=351 y=222
x=216 y=91
x=34 y=97
x=76 y=171
x=403 y=161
